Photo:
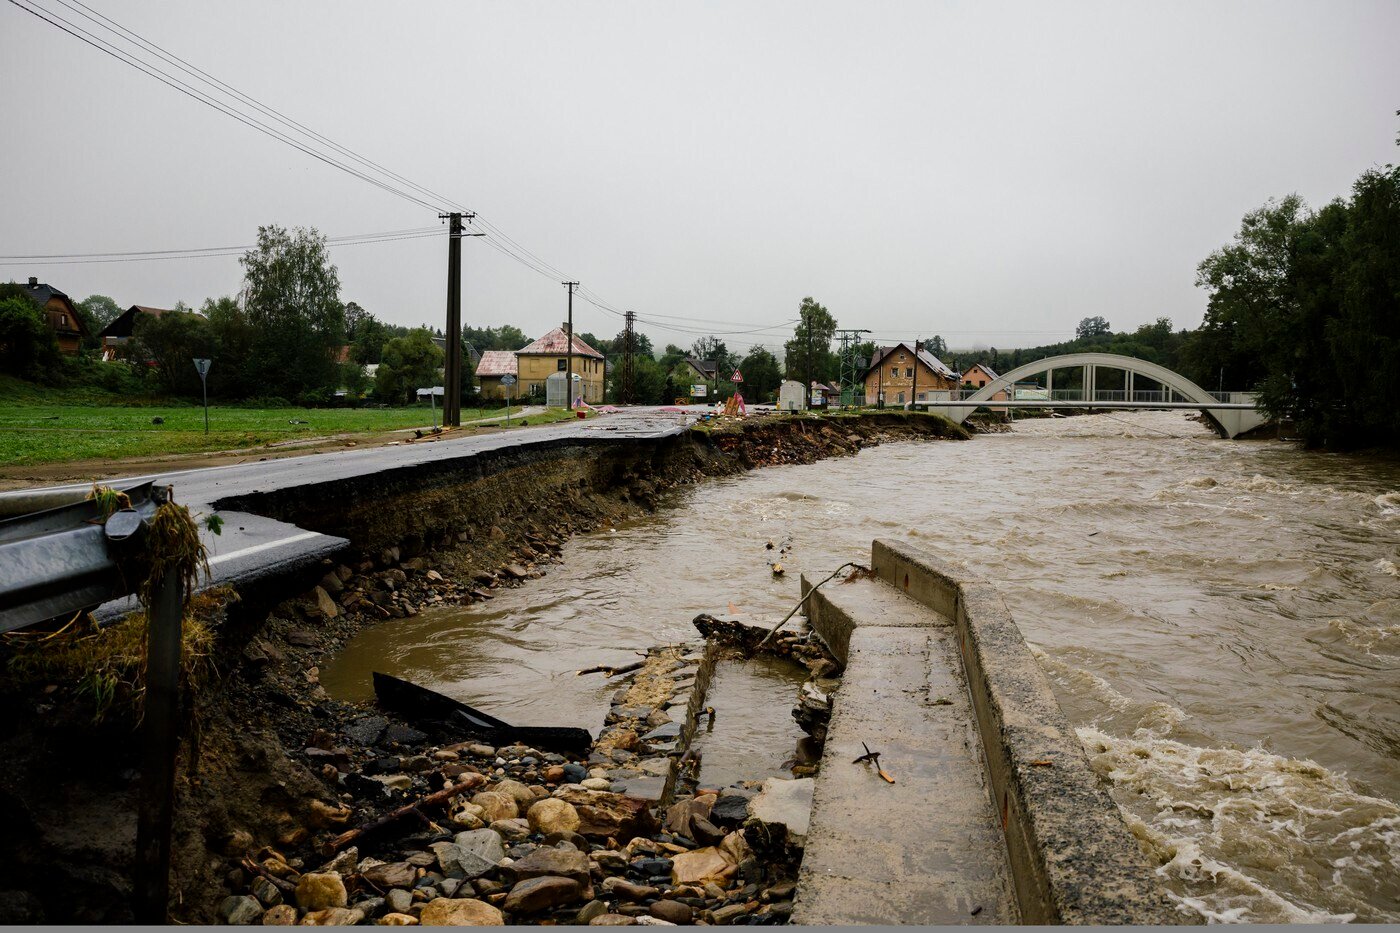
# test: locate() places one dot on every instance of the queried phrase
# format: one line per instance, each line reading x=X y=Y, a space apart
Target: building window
x=901 y=398
x=894 y=372
x=563 y=363
x=63 y=320
x=909 y=372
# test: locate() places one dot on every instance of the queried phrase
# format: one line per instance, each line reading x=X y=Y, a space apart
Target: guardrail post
x=161 y=738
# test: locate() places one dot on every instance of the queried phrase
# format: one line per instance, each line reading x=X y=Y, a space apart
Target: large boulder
x=496 y=805
x=785 y=808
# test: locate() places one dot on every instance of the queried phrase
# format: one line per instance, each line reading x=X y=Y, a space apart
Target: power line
x=207 y=253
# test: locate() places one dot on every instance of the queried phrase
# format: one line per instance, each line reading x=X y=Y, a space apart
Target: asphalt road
x=252 y=546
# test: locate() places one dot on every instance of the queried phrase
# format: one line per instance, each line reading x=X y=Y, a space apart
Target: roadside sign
x=698 y=391
x=202 y=366
x=737 y=377
x=507 y=380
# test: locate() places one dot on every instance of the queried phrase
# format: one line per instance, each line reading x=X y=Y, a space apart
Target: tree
x=649 y=381
x=368 y=343
x=711 y=348
x=28 y=349
x=761 y=373
x=671 y=356
x=936 y=346
x=98 y=311
x=170 y=343
x=292 y=299
x=810 y=346
x=1092 y=327
x=409 y=363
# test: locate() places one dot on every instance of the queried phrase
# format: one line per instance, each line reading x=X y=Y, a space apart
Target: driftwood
x=282 y=884
x=423 y=705
x=610 y=671
x=393 y=816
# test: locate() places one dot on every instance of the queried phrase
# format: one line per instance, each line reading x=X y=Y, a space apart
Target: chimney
x=33 y=281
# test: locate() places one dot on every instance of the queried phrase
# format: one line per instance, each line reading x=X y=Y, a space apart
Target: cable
x=212 y=253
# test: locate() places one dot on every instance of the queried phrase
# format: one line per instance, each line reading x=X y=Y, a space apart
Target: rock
x=391 y=875
x=483 y=843
x=552 y=816
x=496 y=806
x=399 y=900
x=651 y=867
x=785 y=806
x=596 y=783
x=324 y=604
x=735 y=848
x=609 y=860
x=404 y=735
x=415 y=764
x=240 y=910
x=647 y=920
x=515 y=571
x=366 y=731
x=332 y=583
x=511 y=830
x=281 y=915
x=397 y=919
x=518 y=792
x=683 y=813
x=728 y=914
x=611 y=920
x=236 y=843
x=705 y=832
x=620 y=887
x=460 y=912
x=672 y=911
x=267 y=893
x=398 y=782
x=574 y=773
x=606 y=814
x=453 y=858
x=565 y=863
x=536 y=894
x=730 y=809
x=554 y=774
x=301 y=639
x=320 y=890
x=700 y=865
x=323 y=815
x=333 y=917
x=344 y=862
x=588 y=911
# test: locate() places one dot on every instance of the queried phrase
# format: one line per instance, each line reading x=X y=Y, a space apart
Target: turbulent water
x=1221 y=621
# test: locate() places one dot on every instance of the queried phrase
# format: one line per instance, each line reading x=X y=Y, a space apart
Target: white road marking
x=266 y=546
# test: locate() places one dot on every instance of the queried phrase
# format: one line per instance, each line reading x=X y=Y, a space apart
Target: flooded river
x=1221 y=621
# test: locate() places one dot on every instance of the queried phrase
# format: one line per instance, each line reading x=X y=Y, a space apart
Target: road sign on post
x=203 y=367
x=737 y=377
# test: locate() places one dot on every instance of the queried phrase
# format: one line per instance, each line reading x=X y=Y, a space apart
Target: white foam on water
x=1387 y=567
x=1079 y=681
x=1375 y=640
x=1232 y=830
x=1388 y=503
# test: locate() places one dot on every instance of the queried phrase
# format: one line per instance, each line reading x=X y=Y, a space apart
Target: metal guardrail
x=1079 y=396
x=64 y=558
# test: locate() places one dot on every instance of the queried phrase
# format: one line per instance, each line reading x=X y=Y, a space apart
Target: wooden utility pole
x=569 y=366
x=914 y=390
x=452 y=369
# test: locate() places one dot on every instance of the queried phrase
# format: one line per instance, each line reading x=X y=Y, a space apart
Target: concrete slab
x=926 y=849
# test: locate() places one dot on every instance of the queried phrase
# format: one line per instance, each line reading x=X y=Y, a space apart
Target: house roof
x=986 y=369
x=122 y=324
x=497 y=363
x=708 y=367
x=556 y=343
x=927 y=358
x=41 y=294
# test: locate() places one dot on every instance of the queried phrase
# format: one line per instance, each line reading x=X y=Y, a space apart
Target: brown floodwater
x=1221 y=621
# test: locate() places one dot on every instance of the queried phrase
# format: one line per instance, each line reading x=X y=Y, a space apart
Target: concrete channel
x=994 y=816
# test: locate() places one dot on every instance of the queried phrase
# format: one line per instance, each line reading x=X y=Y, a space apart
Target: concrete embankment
x=995 y=815
x=417 y=535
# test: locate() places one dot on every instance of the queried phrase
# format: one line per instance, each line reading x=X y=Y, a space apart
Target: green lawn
x=36 y=431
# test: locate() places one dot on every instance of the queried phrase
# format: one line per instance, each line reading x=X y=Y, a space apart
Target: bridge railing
x=1072 y=396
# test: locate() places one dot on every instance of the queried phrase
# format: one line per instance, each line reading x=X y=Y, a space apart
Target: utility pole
x=807 y=316
x=849 y=363
x=914 y=390
x=626 y=380
x=452 y=365
x=569 y=370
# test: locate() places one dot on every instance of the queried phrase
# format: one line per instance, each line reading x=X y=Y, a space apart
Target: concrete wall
x=1071 y=856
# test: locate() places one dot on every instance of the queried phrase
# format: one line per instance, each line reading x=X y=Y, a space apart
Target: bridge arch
x=1228 y=418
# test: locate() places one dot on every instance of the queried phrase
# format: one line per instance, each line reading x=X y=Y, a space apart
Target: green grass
x=52 y=427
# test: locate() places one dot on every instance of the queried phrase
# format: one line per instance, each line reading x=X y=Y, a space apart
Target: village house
x=890 y=379
x=537 y=361
x=118 y=333
x=63 y=319
x=493 y=366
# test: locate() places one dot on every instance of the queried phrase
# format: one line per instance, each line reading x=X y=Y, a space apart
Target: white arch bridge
x=1231 y=413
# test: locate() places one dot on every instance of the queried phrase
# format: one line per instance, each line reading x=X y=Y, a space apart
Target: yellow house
x=536 y=362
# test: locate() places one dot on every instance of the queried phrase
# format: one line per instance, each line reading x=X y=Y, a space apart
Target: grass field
x=42 y=426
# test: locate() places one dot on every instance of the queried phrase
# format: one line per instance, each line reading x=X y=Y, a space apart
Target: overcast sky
x=989 y=172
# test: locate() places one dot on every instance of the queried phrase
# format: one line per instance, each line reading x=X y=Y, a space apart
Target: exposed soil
x=255 y=772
